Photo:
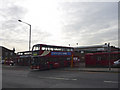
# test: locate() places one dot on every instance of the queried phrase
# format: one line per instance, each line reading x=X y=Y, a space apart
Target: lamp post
x=109 y=50
x=76 y=43
x=29 y=33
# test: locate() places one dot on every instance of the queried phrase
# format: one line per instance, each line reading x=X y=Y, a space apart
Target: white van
x=116 y=63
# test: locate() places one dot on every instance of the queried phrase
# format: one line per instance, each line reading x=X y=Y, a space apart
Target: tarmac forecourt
x=113 y=70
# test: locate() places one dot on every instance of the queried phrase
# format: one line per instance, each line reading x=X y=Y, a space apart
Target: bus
x=50 y=56
x=101 y=59
x=23 y=58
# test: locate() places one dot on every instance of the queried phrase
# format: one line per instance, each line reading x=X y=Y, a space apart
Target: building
x=6 y=54
x=82 y=50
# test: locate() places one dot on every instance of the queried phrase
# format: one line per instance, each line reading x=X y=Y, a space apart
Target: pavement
x=82 y=67
x=86 y=69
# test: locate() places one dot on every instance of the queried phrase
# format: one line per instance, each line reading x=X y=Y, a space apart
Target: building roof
x=94 y=46
x=52 y=46
x=5 y=48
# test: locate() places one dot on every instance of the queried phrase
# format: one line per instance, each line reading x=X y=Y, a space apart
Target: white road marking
x=111 y=81
x=58 y=78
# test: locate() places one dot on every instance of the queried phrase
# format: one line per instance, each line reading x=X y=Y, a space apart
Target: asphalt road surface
x=23 y=77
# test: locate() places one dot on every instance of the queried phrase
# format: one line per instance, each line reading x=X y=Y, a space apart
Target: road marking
x=58 y=78
x=111 y=81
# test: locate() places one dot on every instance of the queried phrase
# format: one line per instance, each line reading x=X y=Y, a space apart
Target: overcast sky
x=58 y=22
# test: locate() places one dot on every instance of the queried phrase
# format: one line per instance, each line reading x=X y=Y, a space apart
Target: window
x=99 y=58
x=43 y=48
x=71 y=49
x=104 y=57
x=51 y=49
x=59 y=49
x=68 y=49
x=62 y=49
x=11 y=53
x=6 y=53
x=68 y=59
x=36 y=48
x=82 y=51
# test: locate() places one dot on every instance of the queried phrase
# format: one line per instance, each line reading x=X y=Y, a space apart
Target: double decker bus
x=23 y=58
x=101 y=59
x=50 y=56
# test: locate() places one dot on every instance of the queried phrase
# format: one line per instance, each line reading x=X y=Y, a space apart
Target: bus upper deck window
x=62 y=49
x=43 y=48
x=51 y=49
x=36 y=48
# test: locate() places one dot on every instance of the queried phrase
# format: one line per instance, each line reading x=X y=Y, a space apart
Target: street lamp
x=76 y=43
x=109 y=51
x=29 y=33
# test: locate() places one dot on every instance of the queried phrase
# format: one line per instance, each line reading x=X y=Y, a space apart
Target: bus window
x=59 y=49
x=104 y=57
x=36 y=48
x=48 y=48
x=65 y=49
x=98 y=58
x=55 y=49
x=62 y=49
x=69 y=49
x=51 y=49
x=43 y=48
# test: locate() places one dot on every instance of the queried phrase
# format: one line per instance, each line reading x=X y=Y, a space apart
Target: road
x=0 y=76
x=23 y=77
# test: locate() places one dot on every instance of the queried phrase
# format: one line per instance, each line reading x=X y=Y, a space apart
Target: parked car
x=116 y=63
x=12 y=63
x=9 y=62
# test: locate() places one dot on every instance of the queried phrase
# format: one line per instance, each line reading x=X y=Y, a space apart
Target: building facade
x=81 y=51
x=6 y=54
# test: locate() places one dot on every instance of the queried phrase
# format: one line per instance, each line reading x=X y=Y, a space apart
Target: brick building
x=6 y=53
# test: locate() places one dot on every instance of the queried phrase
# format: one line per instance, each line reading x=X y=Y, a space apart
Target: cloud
x=10 y=30
x=90 y=23
x=86 y=23
x=39 y=36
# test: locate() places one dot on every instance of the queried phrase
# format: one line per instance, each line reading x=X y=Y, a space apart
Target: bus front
x=35 y=56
